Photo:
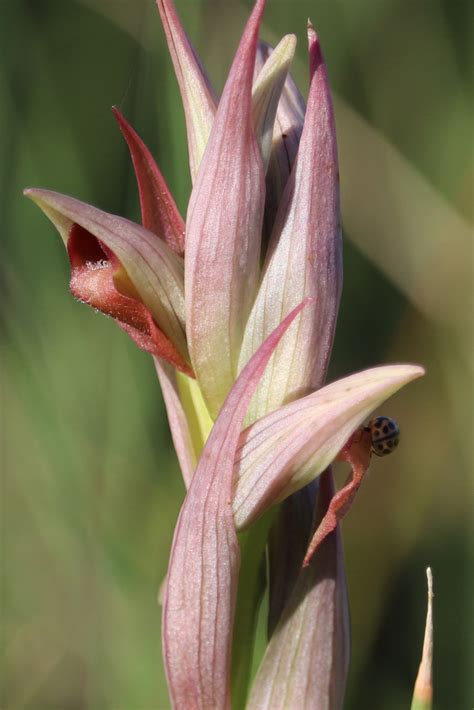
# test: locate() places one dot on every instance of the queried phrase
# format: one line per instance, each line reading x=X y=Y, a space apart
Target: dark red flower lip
x=125 y=271
x=94 y=270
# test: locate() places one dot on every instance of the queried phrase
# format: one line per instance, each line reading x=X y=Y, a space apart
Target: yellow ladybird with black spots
x=384 y=434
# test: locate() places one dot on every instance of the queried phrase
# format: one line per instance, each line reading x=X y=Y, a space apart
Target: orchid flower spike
x=238 y=306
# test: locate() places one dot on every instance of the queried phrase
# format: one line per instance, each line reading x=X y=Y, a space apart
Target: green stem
x=197 y=415
x=421 y=704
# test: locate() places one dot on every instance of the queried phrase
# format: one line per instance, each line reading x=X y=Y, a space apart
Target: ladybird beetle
x=384 y=434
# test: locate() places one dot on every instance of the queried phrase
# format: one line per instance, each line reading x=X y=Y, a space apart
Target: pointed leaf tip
x=267 y=90
x=159 y=211
x=197 y=95
x=224 y=231
x=286 y=137
x=423 y=692
x=304 y=258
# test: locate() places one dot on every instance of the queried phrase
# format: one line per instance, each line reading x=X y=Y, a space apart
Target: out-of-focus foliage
x=90 y=484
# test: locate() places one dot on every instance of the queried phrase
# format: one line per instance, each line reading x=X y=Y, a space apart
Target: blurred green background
x=90 y=484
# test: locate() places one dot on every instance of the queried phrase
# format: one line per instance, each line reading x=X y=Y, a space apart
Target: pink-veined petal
x=177 y=420
x=159 y=212
x=286 y=138
x=149 y=267
x=306 y=661
x=287 y=129
x=285 y=450
x=203 y=571
x=224 y=231
x=266 y=92
x=304 y=259
x=197 y=95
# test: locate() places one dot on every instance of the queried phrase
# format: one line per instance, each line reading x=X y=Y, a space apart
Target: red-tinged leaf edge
x=158 y=208
x=357 y=453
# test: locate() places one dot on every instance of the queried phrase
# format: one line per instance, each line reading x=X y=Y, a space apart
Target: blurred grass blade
x=392 y=209
x=423 y=693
